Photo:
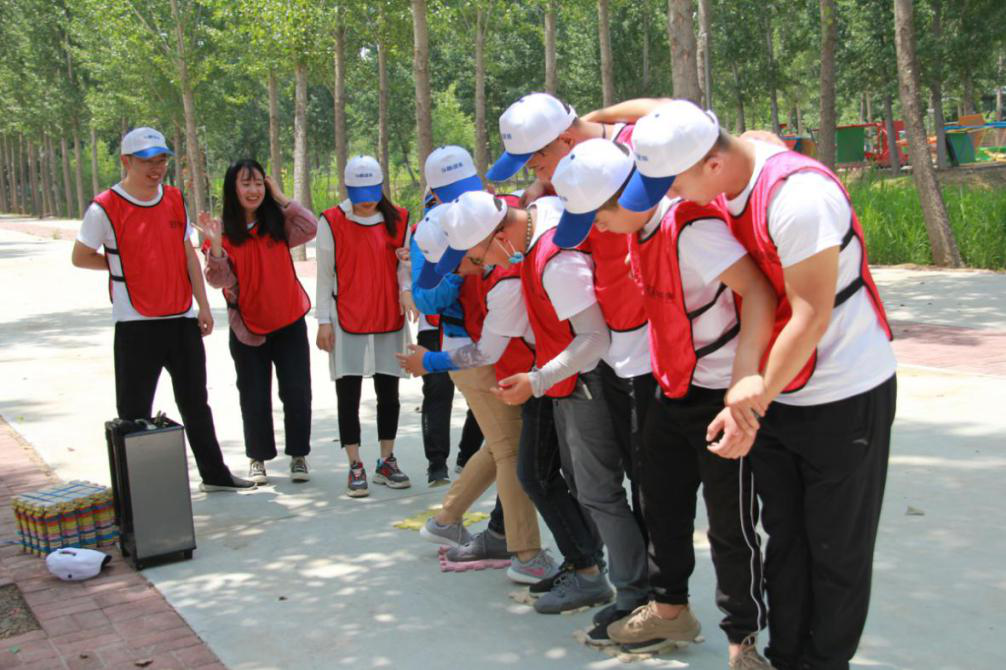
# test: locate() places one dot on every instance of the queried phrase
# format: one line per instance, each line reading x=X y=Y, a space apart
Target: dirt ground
x=15 y=616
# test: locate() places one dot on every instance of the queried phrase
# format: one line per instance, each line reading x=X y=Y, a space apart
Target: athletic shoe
x=388 y=474
x=256 y=472
x=573 y=591
x=644 y=630
x=437 y=476
x=484 y=545
x=356 y=486
x=545 y=585
x=451 y=535
x=749 y=658
x=298 y=469
x=235 y=484
x=538 y=567
x=598 y=635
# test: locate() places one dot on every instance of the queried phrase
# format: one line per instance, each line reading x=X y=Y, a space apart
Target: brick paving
x=971 y=350
x=115 y=621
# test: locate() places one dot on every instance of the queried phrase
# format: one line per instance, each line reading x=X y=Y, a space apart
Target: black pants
x=820 y=472
x=142 y=349
x=675 y=461
x=554 y=496
x=438 y=398
x=628 y=401
x=288 y=350
x=347 y=393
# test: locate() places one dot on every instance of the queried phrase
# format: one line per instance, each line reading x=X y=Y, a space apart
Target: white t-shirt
x=96 y=232
x=808 y=214
x=569 y=276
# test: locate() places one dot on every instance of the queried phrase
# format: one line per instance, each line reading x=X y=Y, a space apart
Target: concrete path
x=299 y=576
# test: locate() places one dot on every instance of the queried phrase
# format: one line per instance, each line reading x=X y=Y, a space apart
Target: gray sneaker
x=390 y=475
x=256 y=472
x=541 y=566
x=484 y=545
x=298 y=469
x=573 y=591
x=451 y=535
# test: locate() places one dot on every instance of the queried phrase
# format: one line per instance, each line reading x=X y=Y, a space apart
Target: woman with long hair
x=248 y=256
x=364 y=296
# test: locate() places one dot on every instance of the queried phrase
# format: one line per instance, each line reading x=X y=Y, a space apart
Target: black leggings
x=347 y=391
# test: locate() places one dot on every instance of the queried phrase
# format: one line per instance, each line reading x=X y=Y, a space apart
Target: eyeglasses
x=480 y=261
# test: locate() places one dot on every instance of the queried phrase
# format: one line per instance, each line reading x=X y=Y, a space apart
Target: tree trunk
x=968 y=100
x=862 y=108
x=740 y=125
x=275 y=154
x=829 y=39
x=936 y=91
x=15 y=177
x=645 y=64
x=999 y=88
x=404 y=148
x=704 y=53
x=341 y=145
x=607 y=63
x=8 y=159
x=177 y=141
x=4 y=173
x=192 y=149
x=72 y=204
x=893 y=155
x=37 y=199
x=869 y=107
x=681 y=37
x=23 y=177
x=95 y=181
x=941 y=237
x=46 y=183
x=551 y=75
x=78 y=171
x=57 y=196
x=382 y=104
x=301 y=169
x=481 y=136
x=770 y=52
x=421 y=74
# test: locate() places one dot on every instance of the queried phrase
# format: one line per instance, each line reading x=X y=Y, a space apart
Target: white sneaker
x=256 y=472
x=298 y=469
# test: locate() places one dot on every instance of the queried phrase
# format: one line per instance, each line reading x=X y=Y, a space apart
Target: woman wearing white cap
x=362 y=300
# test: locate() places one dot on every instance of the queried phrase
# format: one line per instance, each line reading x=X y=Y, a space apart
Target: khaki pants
x=497 y=460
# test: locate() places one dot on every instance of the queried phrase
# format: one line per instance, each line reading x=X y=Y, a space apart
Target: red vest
x=150 y=243
x=656 y=268
x=751 y=229
x=269 y=295
x=551 y=336
x=518 y=355
x=366 y=268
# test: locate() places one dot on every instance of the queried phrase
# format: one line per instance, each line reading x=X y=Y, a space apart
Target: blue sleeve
x=438 y=361
x=432 y=300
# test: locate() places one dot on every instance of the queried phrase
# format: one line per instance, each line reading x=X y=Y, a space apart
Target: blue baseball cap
x=432 y=242
x=144 y=143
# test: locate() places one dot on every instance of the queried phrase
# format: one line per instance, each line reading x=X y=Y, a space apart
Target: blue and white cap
x=469 y=220
x=586 y=178
x=144 y=143
x=450 y=171
x=363 y=179
x=527 y=126
x=432 y=243
x=667 y=141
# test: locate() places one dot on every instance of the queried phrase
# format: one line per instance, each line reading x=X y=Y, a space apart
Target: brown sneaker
x=749 y=658
x=644 y=630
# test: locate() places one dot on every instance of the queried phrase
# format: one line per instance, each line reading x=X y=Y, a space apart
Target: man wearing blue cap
x=153 y=274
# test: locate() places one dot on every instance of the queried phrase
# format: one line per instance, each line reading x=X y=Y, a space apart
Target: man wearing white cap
x=687 y=261
x=153 y=274
x=820 y=458
x=496 y=350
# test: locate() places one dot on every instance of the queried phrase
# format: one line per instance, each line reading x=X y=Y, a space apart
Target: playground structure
x=969 y=140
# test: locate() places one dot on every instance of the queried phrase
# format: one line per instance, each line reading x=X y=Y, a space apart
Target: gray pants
x=586 y=432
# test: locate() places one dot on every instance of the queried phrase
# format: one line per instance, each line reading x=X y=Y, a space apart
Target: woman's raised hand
x=210 y=228
x=276 y=192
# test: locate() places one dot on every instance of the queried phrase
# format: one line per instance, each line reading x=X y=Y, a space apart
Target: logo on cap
x=452 y=166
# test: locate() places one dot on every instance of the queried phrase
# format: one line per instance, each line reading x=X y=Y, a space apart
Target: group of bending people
x=665 y=304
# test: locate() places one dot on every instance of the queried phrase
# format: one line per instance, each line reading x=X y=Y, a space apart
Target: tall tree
x=275 y=152
x=382 y=96
x=941 y=237
x=195 y=158
x=893 y=153
x=482 y=12
x=339 y=99
x=704 y=53
x=772 y=77
x=301 y=167
x=551 y=75
x=421 y=74
x=72 y=207
x=607 y=63
x=95 y=182
x=829 y=40
x=681 y=37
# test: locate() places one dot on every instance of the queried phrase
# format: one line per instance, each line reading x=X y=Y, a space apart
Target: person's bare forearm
x=627 y=111
x=757 y=318
x=196 y=277
x=87 y=258
x=792 y=349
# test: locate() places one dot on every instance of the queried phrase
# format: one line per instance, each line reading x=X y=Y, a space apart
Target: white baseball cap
x=667 y=141
x=144 y=142
x=526 y=126
x=363 y=179
x=450 y=171
x=432 y=242
x=73 y=565
x=470 y=219
x=585 y=179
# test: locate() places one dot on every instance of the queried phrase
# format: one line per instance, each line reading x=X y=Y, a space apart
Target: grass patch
x=891 y=216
